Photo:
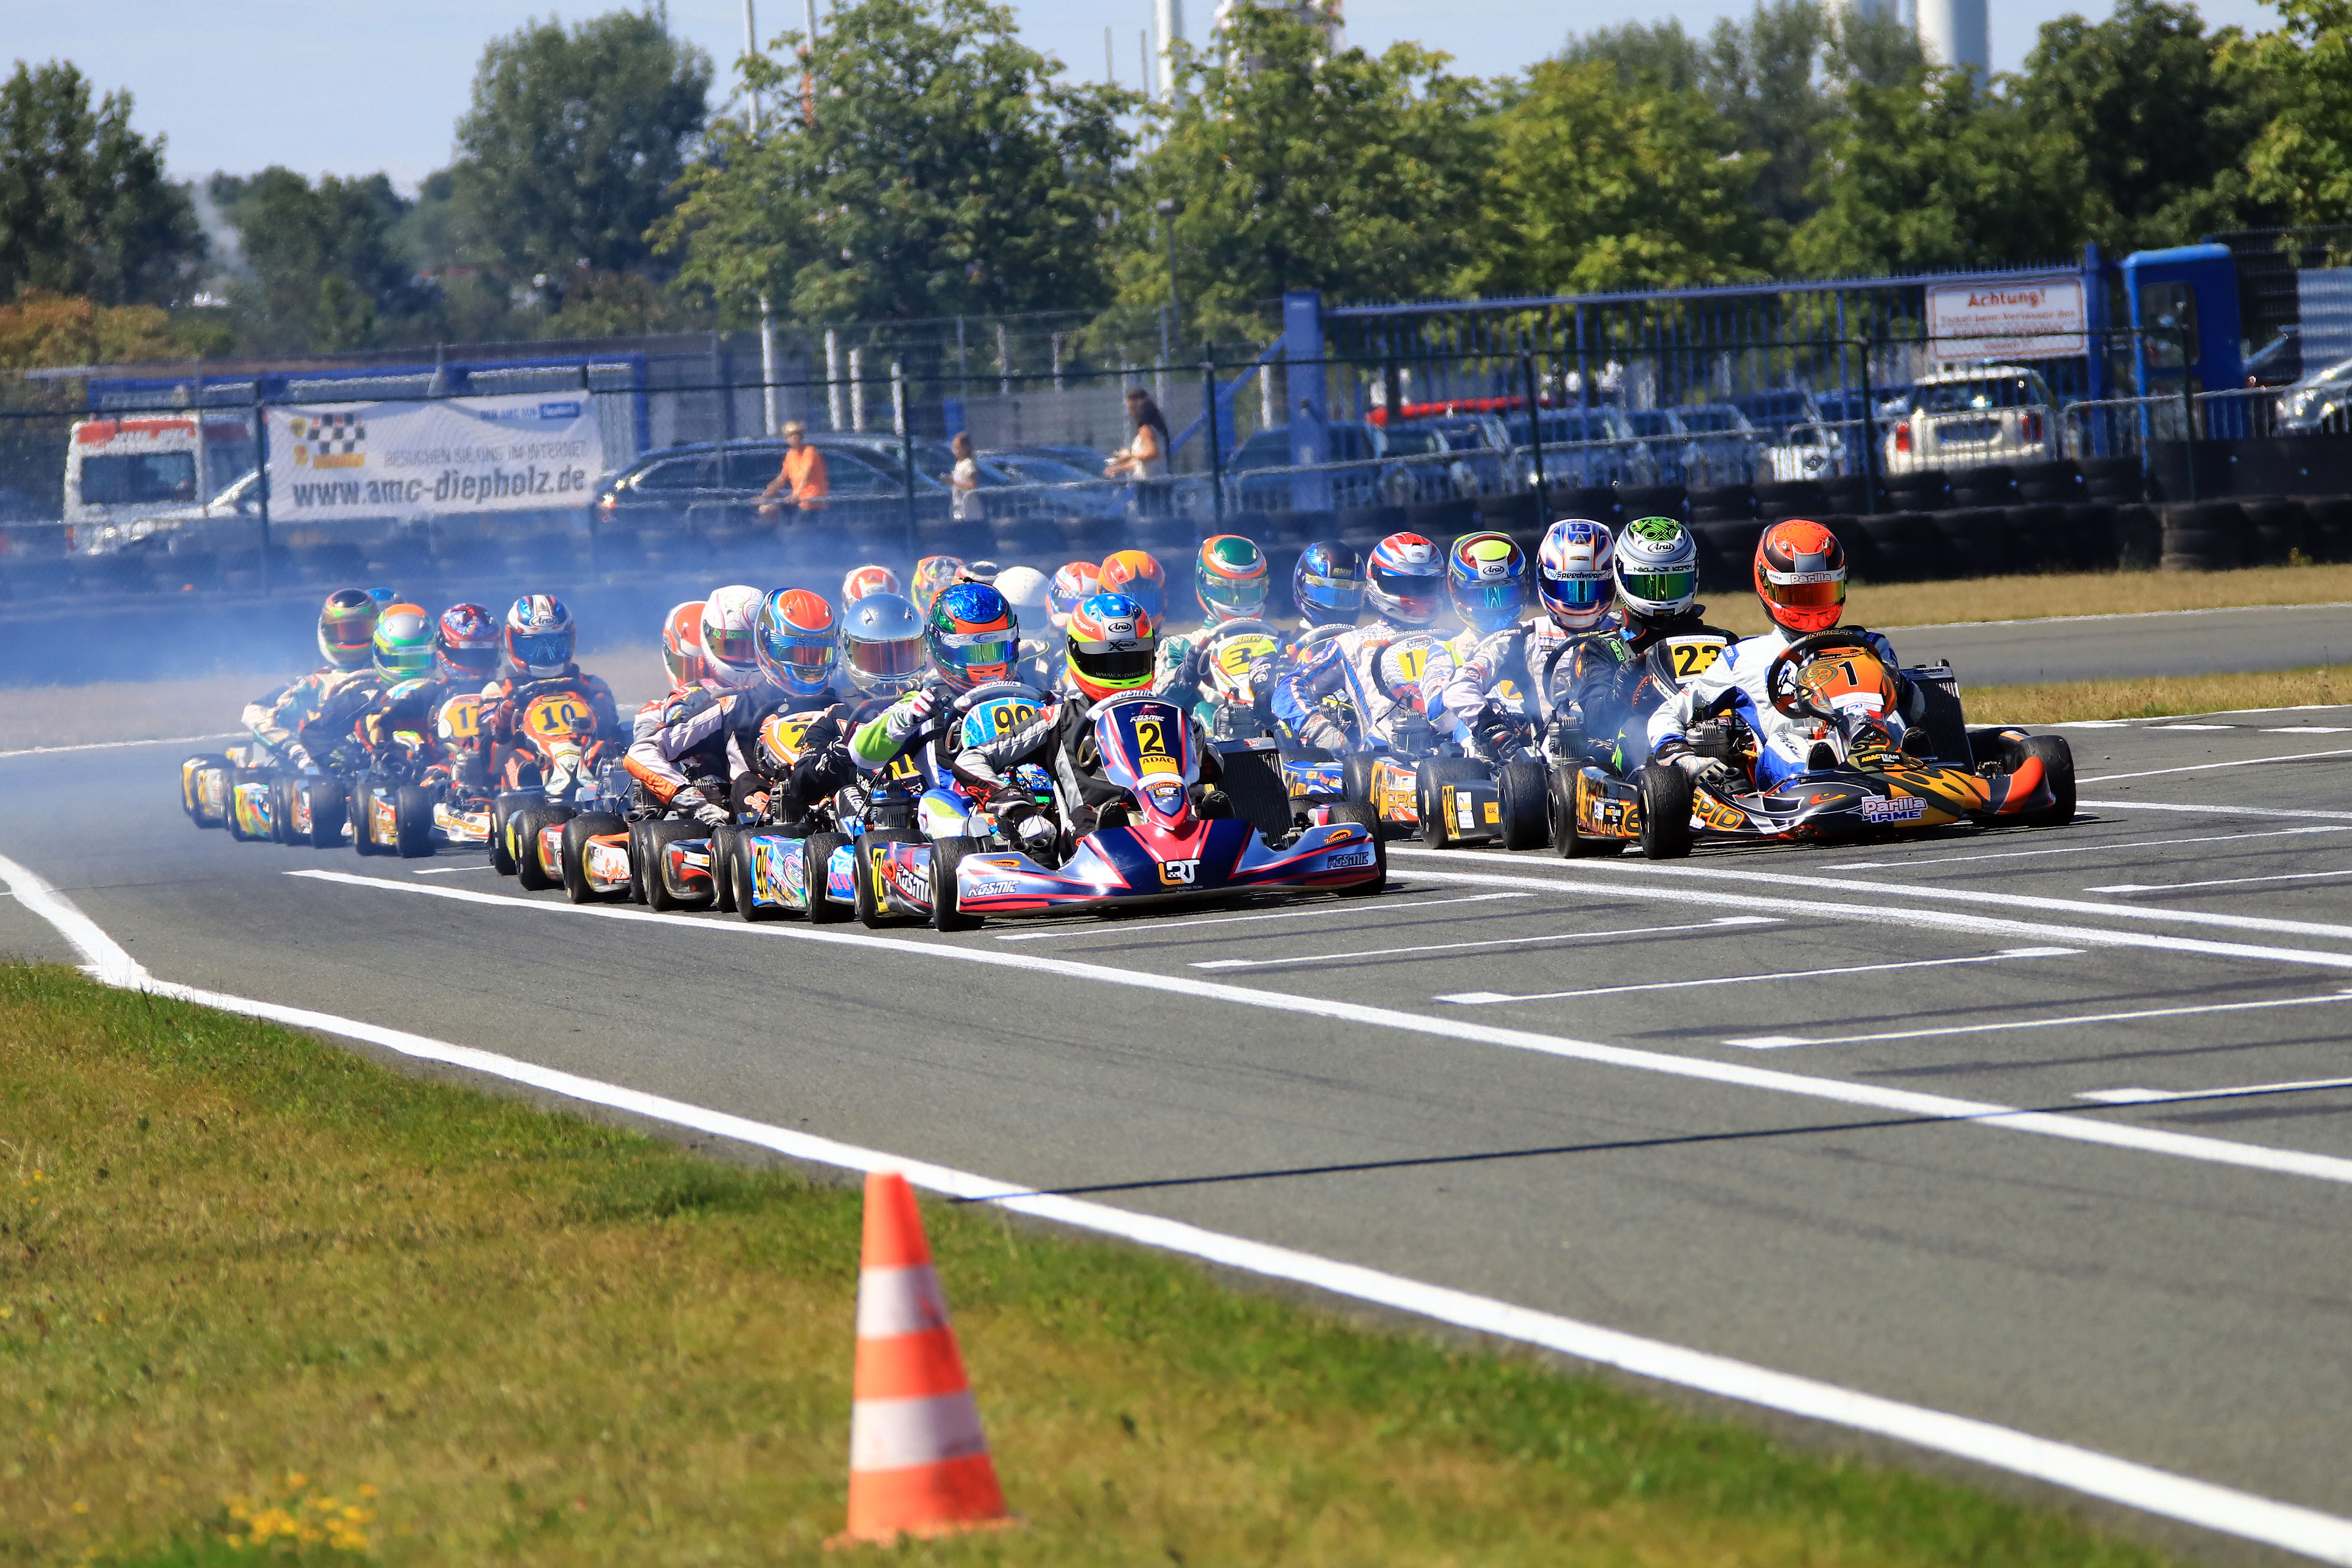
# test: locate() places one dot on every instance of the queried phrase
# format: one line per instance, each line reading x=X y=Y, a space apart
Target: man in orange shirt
x=803 y=474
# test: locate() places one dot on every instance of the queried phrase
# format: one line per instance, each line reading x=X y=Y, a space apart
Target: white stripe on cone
x=892 y=1434
x=899 y=1301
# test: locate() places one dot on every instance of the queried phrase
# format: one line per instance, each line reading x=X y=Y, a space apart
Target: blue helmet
x=1486 y=575
x=1575 y=574
x=974 y=635
x=1328 y=585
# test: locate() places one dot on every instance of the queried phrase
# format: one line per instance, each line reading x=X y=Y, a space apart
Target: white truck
x=128 y=479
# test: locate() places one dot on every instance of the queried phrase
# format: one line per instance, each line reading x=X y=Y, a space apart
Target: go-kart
x=1152 y=848
x=1944 y=774
x=1467 y=800
x=574 y=792
x=1237 y=663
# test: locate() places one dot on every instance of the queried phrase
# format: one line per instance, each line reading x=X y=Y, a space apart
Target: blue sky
x=354 y=87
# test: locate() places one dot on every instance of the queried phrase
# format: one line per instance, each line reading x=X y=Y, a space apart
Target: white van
x=117 y=469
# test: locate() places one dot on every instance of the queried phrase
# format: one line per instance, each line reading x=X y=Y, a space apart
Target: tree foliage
x=2301 y=158
x=40 y=330
x=572 y=142
x=328 y=270
x=84 y=207
x=936 y=167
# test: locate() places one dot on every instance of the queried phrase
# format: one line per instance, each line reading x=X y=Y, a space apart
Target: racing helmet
x=347 y=628
x=933 y=573
x=864 y=579
x=727 y=655
x=1073 y=586
x=1657 y=569
x=974 y=634
x=1404 y=578
x=682 y=643
x=465 y=643
x=1137 y=574
x=1023 y=588
x=1230 y=577
x=1800 y=576
x=1574 y=573
x=539 y=636
x=404 y=642
x=1328 y=585
x=1112 y=645
x=978 y=572
x=795 y=641
x=1486 y=577
x=882 y=644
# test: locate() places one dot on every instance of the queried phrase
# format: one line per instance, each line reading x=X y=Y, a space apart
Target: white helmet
x=870 y=579
x=730 y=618
x=1023 y=588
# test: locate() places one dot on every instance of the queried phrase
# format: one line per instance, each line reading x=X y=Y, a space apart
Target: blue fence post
x=1310 y=413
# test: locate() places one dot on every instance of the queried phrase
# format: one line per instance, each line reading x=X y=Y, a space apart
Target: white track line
x=118 y=745
x=1364 y=906
x=2205 y=810
x=2223 y=1509
x=452 y=870
x=2161 y=1096
x=1736 y=1075
x=1486 y=998
x=2074 y=849
x=1634 y=871
x=2209 y=767
x=2212 y=882
x=1716 y=924
x=1782 y=1042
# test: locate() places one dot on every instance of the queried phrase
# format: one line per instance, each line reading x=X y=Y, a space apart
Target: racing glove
x=1707 y=773
x=700 y=807
x=1321 y=731
x=907 y=716
x=1496 y=730
x=300 y=755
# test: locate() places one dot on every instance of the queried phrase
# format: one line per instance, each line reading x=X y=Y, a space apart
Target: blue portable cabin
x=2184 y=317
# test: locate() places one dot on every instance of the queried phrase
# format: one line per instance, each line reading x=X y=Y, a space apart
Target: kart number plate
x=1693 y=657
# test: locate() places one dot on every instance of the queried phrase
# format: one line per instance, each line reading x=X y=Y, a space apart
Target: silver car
x=2320 y=401
x=1970 y=418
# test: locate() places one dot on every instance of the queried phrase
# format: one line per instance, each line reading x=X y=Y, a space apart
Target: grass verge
x=1976 y=599
x=2158 y=696
x=251 y=1285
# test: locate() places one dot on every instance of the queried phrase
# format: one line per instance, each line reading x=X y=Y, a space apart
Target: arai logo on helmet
x=1657 y=529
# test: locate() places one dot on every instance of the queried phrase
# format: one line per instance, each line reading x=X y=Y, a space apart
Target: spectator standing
x=1144 y=458
x=801 y=478
x=964 y=482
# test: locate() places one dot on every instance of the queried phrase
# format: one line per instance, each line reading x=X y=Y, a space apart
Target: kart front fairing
x=1852 y=802
x=1117 y=866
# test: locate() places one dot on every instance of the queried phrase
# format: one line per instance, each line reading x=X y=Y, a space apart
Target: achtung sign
x=2034 y=318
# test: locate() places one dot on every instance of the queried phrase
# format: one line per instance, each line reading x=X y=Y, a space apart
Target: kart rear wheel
x=816 y=856
x=281 y=809
x=2057 y=759
x=1665 y=812
x=1356 y=776
x=639 y=858
x=529 y=871
x=362 y=801
x=412 y=814
x=1363 y=817
x=192 y=792
x=871 y=911
x=504 y=809
x=576 y=834
x=237 y=829
x=657 y=838
x=947 y=854
x=1562 y=802
x=739 y=885
x=1526 y=813
x=726 y=845
x=1429 y=777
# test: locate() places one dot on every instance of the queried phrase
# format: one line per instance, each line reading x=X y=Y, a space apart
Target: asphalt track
x=1760 y=1104
x=2111 y=647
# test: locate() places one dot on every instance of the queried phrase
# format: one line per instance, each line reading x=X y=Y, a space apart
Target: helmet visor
x=731 y=644
x=1234 y=595
x=1330 y=593
x=481 y=661
x=1578 y=593
x=811 y=655
x=1420 y=585
x=1805 y=590
x=1112 y=664
x=535 y=650
x=887 y=660
x=1662 y=587
x=970 y=649
x=1145 y=591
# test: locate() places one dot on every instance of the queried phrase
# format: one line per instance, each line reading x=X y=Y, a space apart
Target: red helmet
x=682 y=642
x=1800 y=576
x=465 y=643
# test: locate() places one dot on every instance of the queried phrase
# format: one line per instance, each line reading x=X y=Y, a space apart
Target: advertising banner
x=516 y=452
x=2040 y=317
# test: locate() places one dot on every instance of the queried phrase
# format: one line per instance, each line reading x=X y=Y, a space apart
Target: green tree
x=2163 y=124
x=938 y=168
x=572 y=142
x=329 y=271
x=2302 y=160
x=1938 y=173
x=84 y=207
x=1607 y=182
x=1658 y=53
x=1292 y=167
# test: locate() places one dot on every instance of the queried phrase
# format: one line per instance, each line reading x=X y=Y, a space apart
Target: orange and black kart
x=1946 y=775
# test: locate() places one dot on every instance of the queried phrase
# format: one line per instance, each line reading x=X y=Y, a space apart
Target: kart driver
x=974 y=638
x=538 y=641
x=347 y=643
x=1377 y=667
x=1602 y=688
x=1799 y=576
x=464 y=654
x=1230 y=580
x=400 y=650
x=686 y=761
x=882 y=645
x=1326 y=588
x=1479 y=686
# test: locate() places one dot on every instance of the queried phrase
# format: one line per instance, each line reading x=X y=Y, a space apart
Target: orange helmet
x=1800 y=576
x=1135 y=574
x=682 y=642
x=933 y=573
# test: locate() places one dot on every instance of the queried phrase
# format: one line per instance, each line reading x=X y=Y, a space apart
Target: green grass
x=238 y=1263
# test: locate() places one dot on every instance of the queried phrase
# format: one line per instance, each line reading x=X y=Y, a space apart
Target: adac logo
x=330 y=440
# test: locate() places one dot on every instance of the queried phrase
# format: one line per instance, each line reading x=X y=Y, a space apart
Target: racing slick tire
x=240 y=776
x=1561 y=794
x=1527 y=814
x=504 y=808
x=576 y=834
x=1666 y=811
x=726 y=848
x=816 y=855
x=639 y=858
x=281 y=809
x=412 y=811
x=189 y=802
x=2057 y=758
x=364 y=817
x=870 y=912
x=529 y=872
x=330 y=805
x=1365 y=818
x=739 y=889
x=1356 y=776
x=1429 y=778
x=947 y=854
x=657 y=838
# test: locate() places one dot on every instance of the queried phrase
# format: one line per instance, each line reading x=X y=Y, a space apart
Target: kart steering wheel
x=1781 y=680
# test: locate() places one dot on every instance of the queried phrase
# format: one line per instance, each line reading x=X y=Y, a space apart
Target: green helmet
x=345 y=625
x=1657 y=569
x=404 y=642
x=1230 y=578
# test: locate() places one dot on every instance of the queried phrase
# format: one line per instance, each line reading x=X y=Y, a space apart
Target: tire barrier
x=1992 y=485
x=1653 y=500
x=1797 y=498
x=2274 y=532
x=2057 y=483
x=1723 y=503
x=2119 y=481
x=2202 y=536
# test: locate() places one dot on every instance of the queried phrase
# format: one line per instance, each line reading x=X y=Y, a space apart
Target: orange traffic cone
x=918 y=1463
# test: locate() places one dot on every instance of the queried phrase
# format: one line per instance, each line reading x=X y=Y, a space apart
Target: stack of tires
x=2202 y=536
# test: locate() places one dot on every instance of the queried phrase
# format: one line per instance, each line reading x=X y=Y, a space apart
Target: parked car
x=713 y=484
x=1778 y=410
x=1082 y=458
x=1038 y=486
x=1261 y=478
x=230 y=520
x=1967 y=418
x=1432 y=465
x=1807 y=452
x=1481 y=448
x=1662 y=437
x=1594 y=448
x=1723 y=447
x=1842 y=411
x=2320 y=401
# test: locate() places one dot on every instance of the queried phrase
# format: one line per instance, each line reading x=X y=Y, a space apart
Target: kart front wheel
x=531 y=872
x=195 y=794
x=504 y=809
x=1665 y=812
x=412 y=814
x=740 y=897
x=1526 y=813
x=363 y=808
x=1365 y=818
x=1564 y=836
x=574 y=863
x=1429 y=777
x=816 y=864
x=873 y=907
x=947 y=854
x=2057 y=760
x=657 y=837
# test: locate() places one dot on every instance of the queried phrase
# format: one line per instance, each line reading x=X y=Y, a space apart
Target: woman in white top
x=1145 y=456
x=965 y=481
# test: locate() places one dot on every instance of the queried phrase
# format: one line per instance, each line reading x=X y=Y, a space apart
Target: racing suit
x=276 y=717
x=686 y=757
x=415 y=705
x=1465 y=671
x=1377 y=667
x=504 y=701
x=1735 y=683
x=1601 y=686
x=329 y=734
x=1061 y=740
